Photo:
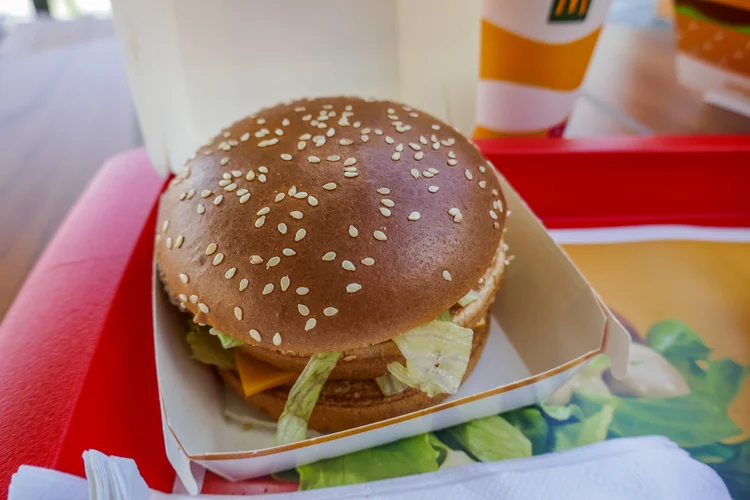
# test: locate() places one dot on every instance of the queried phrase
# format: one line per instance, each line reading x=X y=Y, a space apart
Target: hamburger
x=338 y=257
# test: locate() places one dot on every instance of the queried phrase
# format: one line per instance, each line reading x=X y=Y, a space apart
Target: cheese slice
x=257 y=376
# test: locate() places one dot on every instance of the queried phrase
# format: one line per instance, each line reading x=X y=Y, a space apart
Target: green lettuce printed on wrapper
x=697 y=422
x=303 y=396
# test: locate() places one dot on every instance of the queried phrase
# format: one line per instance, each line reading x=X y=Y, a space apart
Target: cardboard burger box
x=196 y=67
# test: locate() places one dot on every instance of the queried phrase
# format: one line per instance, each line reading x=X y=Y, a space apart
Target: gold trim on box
x=377 y=425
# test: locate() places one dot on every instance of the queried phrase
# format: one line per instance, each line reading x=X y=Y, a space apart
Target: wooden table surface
x=64 y=110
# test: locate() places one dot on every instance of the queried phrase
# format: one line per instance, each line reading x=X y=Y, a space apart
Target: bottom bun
x=344 y=404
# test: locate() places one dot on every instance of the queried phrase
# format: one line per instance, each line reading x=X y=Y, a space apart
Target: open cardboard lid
x=195 y=67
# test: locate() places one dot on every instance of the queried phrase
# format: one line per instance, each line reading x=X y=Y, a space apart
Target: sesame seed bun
x=372 y=361
x=304 y=232
x=344 y=404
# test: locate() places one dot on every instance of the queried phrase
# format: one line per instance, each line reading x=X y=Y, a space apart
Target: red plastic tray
x=78 y=362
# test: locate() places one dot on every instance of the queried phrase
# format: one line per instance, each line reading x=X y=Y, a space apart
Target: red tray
x=78 y=361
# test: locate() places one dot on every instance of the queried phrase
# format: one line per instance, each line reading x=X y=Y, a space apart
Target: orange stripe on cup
x=485 y=133
x=510 y=57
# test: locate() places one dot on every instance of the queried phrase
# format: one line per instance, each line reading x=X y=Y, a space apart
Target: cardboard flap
x=195 y=67
x=616 y=345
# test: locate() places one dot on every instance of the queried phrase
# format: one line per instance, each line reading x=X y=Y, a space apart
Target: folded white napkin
x=645 y=468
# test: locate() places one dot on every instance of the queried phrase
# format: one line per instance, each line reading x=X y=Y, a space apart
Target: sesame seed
x=285 y=282
x=310 y=324
x=495 y=193
x=329 y=311
x=454 y=211
x=260 y=121
x=224 y=161
x=391 y=116
x=279 y=197
x=184 y=278
x=468 y=174
x=211 y=248
x=368 y=261
x=207 y=152
x=389 y=139
x=256 y=259
x=263 y=170
x=428 y=174
x=351 y=174
x=243 y=284
x=255 y=335
x=451 y=162
x=415 y=173
x=312 y=201
x=353 y=287
x=301 y=195
x=414 y=114
x=383 y=191
x=201 y=209
x=302 y=290
x=238 y=313
x=350 y=161
x=190 y=194
x=350 y=169
x=365 y=138
x=391 y=111
x=446 y=275
x=378 y=131
x=273 y=262
x=433 y=189
x=241 y=192
x=493 y=214
x=218 y=259
x=330 y=132
x=296 y=214
x=277 y=338
x=244 y=137
x=218 y=199
x=301 y=233
x=436 y=127
x=346 y=142
x=279 y=132
x=268 y=288
x=396 y=156
x=435 y=146
x=414 y=216
x=319 y=141
x=182 y=297
x=353 y=231
x=399 y=147
x=288 y=252
x=419 y=155
x=482 y=169
x=329 y=256
x=230 y=187
x=194 y=299
x=303 y=309
x=380 y=236
x=305 y=137
x=329 y=186
x=260 y=221
x=282 y=228
x=482 y=184
x=292 y=191
x=182 y=195
x=244 y=198
x=224 y=182
x=356 y=124
x=178 y=241
x=343 y=122
x=203 y=307
x=286 y=156
x=250 y=175
x=301 y=145
x=206 y=193
x=347 y=264
x=415 y=146
x=458 y=218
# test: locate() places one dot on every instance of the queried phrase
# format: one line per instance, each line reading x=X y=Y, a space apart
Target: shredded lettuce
x=468 y=298
x=208 y=349
x=292 y=425
x=437 y=355
x=227 y=341
x=390 y=385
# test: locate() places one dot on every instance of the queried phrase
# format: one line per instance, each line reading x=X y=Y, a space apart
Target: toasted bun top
x=329 y=224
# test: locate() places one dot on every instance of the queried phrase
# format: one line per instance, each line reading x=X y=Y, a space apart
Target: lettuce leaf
x=303 y=396
x=208 y=349
x=390 y=385
x=468 y=298
x=488 y=439
x=227 y=341
x=437 y=354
